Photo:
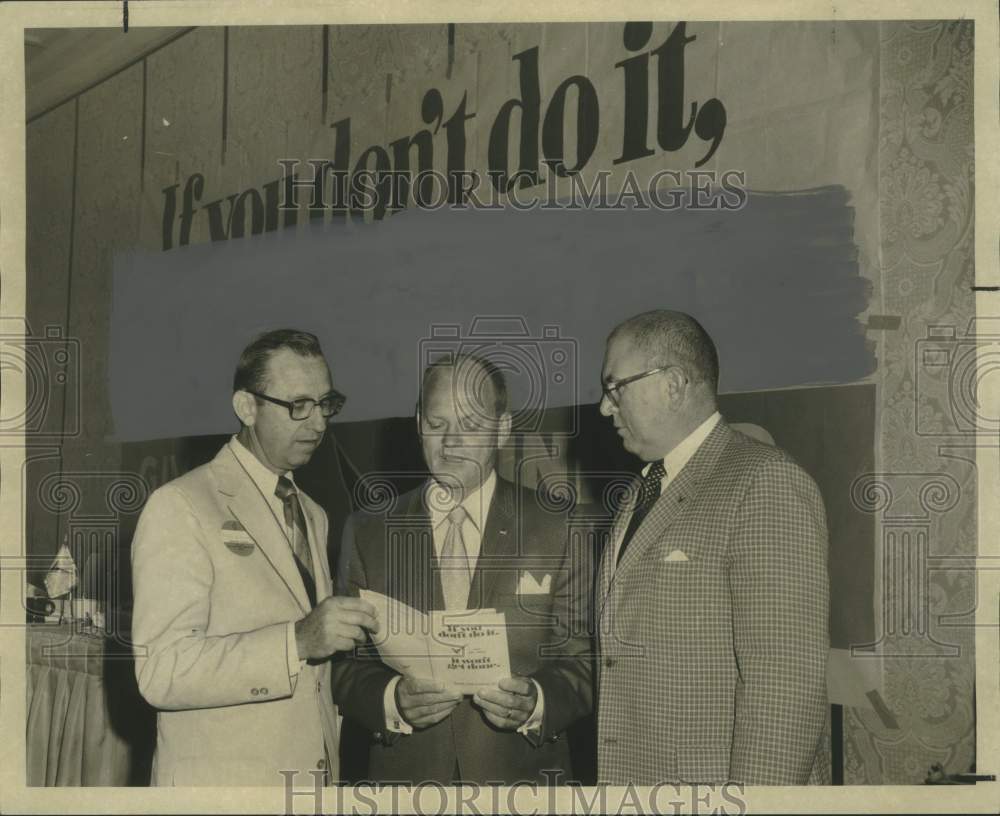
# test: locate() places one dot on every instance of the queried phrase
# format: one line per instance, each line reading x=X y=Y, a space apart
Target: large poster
x=523 y=226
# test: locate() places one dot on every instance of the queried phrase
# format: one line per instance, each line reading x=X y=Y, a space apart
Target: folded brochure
x=464 y=649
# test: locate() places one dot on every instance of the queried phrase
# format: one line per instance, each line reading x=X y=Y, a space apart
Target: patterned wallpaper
x=924 y=495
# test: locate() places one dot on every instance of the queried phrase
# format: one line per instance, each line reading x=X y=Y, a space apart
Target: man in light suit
x=469 y=539
x=233 y=620
x=712 y=592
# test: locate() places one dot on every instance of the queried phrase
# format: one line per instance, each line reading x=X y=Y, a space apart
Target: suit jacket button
x=254 y=692
x=321 y=764
x=263 y=690
x=378 y=735
x=610 y=662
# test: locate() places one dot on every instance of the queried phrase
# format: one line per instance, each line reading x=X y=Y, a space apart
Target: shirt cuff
x=533 y=725
x=292 y=650
x=393 y=719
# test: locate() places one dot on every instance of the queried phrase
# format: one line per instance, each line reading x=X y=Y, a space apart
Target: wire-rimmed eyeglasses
x=612 y=390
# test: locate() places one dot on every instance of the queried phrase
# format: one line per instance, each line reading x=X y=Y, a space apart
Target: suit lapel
x=251 y=509
x=678 y=496
x=606 y=570
x=411 y=574
x=498 y=541
x=659 y=518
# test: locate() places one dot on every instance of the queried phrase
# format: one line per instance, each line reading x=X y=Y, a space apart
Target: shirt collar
x=476 y=504
x=674 y=461
x=264 y=478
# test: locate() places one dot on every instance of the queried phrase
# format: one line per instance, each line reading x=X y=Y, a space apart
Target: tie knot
x=656 y=472
x=651 y=482
x=284 y=488
x=457 y=515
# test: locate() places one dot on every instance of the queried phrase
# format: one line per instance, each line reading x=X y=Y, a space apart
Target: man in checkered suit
x=712 y=594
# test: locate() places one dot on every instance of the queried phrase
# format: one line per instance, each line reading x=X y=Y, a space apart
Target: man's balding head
x=660 y=375
x=673 y=338
x=463 y=420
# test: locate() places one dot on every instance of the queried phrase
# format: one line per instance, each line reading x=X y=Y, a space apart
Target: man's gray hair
x=673 y=338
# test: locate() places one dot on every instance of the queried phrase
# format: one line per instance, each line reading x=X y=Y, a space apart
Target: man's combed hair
x=251 y=371
x=674 y=338
x=478 y=370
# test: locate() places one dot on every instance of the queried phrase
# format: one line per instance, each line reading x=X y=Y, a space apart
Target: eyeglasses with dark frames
x=301 y=409
x=612 y=390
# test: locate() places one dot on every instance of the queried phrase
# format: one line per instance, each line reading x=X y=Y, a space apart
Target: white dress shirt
x=266 y=481
x=674 y=462
x=477 y=506
x=440 y=503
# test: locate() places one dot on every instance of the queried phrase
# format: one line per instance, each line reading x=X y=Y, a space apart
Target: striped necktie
x=295 y=521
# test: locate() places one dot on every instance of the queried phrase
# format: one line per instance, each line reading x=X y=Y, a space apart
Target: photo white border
x=17 y=16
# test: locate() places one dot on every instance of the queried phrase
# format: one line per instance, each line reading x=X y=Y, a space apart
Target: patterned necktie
x=295 y=520
x=456 y=577
x=649 y=492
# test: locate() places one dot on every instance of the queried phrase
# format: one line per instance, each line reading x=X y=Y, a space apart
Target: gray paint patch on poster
x=775 y=283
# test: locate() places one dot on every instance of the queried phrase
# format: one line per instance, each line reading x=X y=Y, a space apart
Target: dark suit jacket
x=393 y=553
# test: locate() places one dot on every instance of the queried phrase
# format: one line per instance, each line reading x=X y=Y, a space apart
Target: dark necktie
x=295 y=521
x=649 y=492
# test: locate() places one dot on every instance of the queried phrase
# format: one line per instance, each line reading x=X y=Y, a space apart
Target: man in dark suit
x=467 y=539
x=712 y=593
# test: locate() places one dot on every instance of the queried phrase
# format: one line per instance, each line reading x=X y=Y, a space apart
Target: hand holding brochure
x=463 y=649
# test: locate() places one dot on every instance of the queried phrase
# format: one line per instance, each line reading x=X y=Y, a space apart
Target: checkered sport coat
x=712 y=630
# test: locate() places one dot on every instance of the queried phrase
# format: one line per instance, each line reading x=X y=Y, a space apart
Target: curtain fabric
x=71 y=737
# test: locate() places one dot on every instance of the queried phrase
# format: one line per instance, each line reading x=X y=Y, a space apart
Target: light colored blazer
x=712 y=630
x=215 y=587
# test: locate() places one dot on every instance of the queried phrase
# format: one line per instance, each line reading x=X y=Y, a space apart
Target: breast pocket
x=682 y=559
x=693 y=598
x=679 y=576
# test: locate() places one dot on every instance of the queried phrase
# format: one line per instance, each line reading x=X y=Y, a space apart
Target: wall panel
x=183 y=129
x=50 y=144
x=108 y=203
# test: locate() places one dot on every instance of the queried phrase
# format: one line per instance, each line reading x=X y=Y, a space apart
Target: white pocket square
x=676 y=555
x=529 y=585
